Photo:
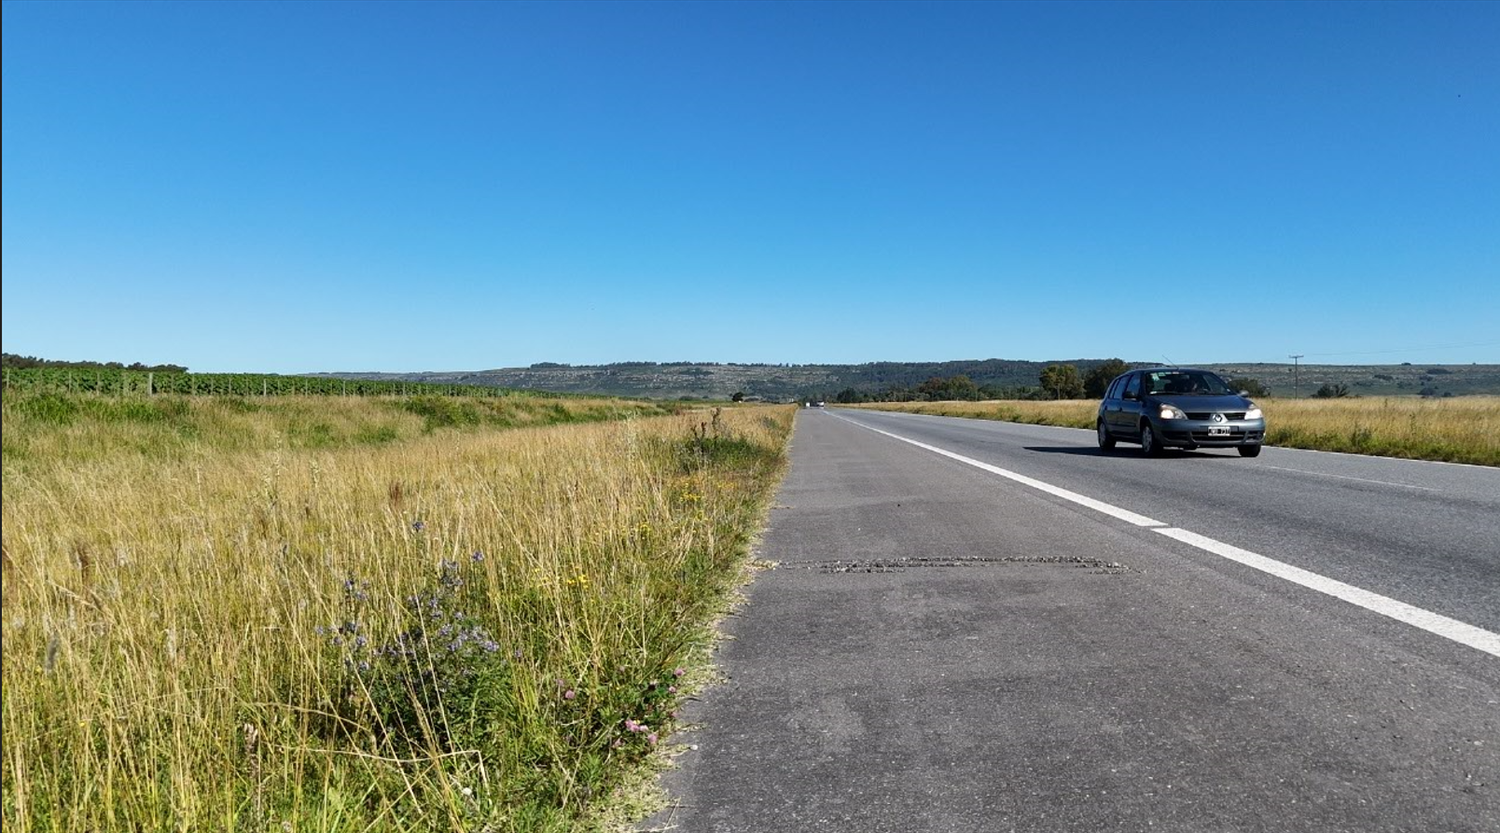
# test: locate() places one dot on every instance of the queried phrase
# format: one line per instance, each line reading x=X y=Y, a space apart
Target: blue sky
x=290 y=187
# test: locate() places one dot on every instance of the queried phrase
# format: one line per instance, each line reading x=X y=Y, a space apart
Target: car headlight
x=1253 y=413
x=1169 y=412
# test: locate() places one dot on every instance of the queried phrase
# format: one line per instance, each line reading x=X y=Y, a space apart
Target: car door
x=1111 y=403
x=1128 y=415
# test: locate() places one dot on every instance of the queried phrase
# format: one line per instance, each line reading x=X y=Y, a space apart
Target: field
x=1462 y=429
x=328 y=613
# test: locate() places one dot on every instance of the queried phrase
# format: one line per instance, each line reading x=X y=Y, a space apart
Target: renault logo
x=1218 y=417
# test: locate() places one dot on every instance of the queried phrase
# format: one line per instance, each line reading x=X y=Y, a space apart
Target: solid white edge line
x=1435 y=623
x=1460 y=632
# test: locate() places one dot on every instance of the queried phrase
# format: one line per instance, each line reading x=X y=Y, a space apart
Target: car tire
x=1250 y=451
x=1106 y=442
x=1150 y=446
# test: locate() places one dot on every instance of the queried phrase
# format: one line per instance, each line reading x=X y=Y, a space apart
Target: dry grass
x=1069 y=413
x=1462 y=429
x=173 y=589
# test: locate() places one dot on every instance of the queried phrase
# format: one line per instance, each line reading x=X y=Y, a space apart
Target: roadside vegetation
x=325 y=613
x=1460 y=429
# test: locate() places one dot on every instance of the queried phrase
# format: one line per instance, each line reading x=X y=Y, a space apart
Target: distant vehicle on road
x=1178 y=407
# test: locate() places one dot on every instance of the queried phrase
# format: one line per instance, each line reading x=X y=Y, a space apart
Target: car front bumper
x=1196 y=433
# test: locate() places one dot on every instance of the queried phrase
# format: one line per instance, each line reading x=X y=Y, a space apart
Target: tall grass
x=1460 y=429
x=1069 y=413
x=1463 y=429
x=222 y=616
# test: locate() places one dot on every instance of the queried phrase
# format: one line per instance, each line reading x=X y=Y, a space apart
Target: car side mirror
x=1244 y=393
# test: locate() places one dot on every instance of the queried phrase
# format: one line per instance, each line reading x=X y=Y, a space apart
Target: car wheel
x=1106 y=442
x=1250 y=451
x=1149 y=446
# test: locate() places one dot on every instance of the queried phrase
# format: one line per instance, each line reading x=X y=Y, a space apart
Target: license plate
x=1218 y=431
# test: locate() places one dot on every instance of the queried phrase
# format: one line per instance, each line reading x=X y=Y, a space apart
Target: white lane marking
x=1460 y=632
x=1082 y=500
x=1347 y=477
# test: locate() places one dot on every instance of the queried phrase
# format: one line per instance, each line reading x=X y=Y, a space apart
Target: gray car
x=1178 y=407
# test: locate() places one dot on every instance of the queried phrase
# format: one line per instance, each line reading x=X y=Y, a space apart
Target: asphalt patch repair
x=901 y=565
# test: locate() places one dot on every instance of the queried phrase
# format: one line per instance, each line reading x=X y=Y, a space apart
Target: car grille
x=1210 y=414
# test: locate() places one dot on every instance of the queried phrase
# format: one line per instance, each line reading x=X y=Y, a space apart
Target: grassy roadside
x=1462 y=429
x=349 y=615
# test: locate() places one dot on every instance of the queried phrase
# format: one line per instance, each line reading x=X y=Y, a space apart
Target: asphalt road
x=1059 y=642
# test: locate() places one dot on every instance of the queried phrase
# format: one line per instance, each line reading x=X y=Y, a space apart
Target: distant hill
x=787 y=383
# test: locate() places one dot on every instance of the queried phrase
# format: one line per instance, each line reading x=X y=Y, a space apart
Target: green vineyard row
x=128 y=382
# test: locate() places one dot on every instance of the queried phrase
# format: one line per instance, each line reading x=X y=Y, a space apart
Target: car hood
x=1202 y=403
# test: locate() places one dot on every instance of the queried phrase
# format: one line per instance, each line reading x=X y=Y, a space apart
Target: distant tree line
x=958 y=387
x=15 y=362
x=1056 y=381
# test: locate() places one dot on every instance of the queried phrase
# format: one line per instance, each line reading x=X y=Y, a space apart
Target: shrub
x=442 y=412
x=1249 y=385
x=437 y=684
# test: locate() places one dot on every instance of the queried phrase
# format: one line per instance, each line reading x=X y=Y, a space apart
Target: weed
x=712 y=445
x=440 y=683
x=47 y=408
x=442 y=411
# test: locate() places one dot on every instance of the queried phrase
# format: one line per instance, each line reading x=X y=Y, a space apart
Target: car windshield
x=1185 y=383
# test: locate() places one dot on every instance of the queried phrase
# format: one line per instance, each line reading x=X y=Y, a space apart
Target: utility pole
x=1296 y=376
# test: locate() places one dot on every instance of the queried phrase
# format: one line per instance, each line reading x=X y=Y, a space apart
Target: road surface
x=981 y=626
